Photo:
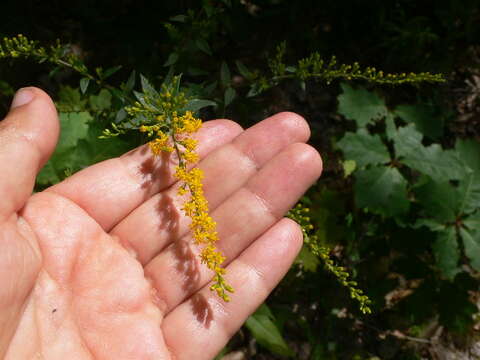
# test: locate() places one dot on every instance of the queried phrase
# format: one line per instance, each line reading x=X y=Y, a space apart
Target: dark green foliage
x=401 y=218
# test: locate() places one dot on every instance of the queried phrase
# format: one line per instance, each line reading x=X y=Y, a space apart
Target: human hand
x=101 y=266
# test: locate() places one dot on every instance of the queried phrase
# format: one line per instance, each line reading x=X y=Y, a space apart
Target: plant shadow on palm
x=186 y=261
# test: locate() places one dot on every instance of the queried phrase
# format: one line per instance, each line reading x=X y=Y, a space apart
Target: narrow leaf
x=130 y=82
x=172 y=59
x=266 y=333
x=197 y=104
x=202 y=45
x=84 y=85
x=242 y=69
x=229 y=95
x=224 y=74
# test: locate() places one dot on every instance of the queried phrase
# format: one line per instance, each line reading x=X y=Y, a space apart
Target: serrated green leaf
x=364 y=148
x=196 y=104
x=360 y=105
x=471 y=244
x=73 y=128
x=468 y=152
x=266 y=332
x=469 y=194
x=447 y=255
x=441 y=165
x=172 y=59
x=92 y=149
x=439 y=200
x=229 y=95
x=424 y=118
x=71 y=99
x=382 y=190
x=202 y=45
x=84 y=85
x=102 y=101
x=225 y=77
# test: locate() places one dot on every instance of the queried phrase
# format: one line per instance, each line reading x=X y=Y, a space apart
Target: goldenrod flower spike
x=171 y=132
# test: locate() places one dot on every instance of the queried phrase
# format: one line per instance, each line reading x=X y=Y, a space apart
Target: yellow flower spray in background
x=171 y=131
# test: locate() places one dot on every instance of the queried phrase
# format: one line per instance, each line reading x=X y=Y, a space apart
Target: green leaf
x=439 y=164
x=439 y=200
x=447 y=255
x=266 y=333
x=382 y=190
x=131 y=81
x=469 y=194
x=202 y=45
x=109 y=72
x=424 y=118
x=471 y=244
x=147 y=87
x=84 y=85
x=242 y=69
x=172 y=59
x=229 y=95
x=92 y=149
x=196 y=104
x=225 y=74
x=349 y=166
x=102 y=101
x=360 y=105
x=179 y=18
x=469 y=152
x=308 y=260
x=472 y=222
x=433 y=225
x=390 y=128
x=364 y=148
x=73 y=128
x=71 y=99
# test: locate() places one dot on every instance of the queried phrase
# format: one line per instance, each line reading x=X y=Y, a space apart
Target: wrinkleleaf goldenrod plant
x=167 y=118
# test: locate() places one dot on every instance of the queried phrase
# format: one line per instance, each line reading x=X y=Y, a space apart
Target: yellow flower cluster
x=202 y=226
x=171 y=132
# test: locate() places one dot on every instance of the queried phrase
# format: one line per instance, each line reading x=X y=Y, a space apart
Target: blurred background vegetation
x=398 y=202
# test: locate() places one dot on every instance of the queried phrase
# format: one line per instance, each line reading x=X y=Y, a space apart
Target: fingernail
x=22 y=97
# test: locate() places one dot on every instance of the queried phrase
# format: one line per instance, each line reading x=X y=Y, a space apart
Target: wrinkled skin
x=101 y=266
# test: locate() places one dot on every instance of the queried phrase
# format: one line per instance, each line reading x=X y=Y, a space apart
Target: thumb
x=28 y=136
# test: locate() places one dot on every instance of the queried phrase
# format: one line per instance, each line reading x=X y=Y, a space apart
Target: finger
x=28 y=136
x=176 y=273
x=206 y=322
x=159 y=221
x=110 y=190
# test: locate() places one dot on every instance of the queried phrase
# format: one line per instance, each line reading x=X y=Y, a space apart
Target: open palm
x=101 y=266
